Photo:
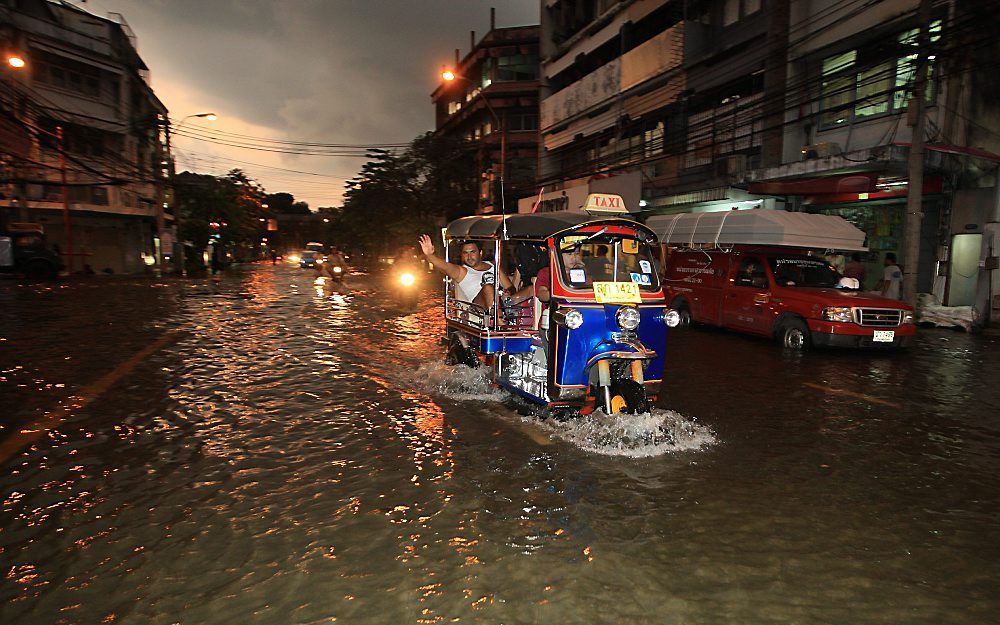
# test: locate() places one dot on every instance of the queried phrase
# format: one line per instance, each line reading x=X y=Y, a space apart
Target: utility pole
x=67 y=231
x=916 y=118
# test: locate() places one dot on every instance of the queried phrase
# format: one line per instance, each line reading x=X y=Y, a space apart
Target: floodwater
x=277 y=454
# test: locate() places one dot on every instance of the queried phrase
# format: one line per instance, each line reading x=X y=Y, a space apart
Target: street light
x=16 y=61
x=161 y=222
x=449 y=75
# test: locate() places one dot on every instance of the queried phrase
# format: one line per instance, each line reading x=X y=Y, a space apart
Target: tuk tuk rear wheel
x=628 y=396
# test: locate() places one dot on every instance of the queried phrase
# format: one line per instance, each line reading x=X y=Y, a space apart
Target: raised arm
x=455 y=272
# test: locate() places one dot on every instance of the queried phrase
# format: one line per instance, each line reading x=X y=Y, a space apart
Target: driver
x=473 y=278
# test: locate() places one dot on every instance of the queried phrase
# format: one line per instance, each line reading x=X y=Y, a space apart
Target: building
x=83 y=138
x=493 y=100
x=718 y=104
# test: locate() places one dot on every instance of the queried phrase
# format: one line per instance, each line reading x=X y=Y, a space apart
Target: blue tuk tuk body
x=598 y=342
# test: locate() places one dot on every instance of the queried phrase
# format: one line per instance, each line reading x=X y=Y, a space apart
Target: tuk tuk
x=598 y=341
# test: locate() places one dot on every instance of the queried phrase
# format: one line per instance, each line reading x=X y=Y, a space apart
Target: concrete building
x=82 y=108
x=719 y=104
x=494 y=101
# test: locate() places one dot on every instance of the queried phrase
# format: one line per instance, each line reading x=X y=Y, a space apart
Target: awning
x=850 y=183
x=758 y=227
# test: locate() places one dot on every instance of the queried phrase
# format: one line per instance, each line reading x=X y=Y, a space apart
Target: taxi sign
x=605 y=203
x=617 y=293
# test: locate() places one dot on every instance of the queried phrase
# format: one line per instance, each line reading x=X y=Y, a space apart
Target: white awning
x=758 y=227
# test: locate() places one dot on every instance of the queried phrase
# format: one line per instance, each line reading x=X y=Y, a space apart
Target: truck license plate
x=617 y=293
x=884 y=336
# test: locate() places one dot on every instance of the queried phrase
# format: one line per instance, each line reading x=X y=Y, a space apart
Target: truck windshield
x=607 y=258
x=803 y=271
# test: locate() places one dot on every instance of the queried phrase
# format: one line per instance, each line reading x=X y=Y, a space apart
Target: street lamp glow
x=448 y=75
x=211 y=117
x=16 y=61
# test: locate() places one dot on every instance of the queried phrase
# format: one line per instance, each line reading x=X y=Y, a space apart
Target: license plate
x=617 y=293
x=884 y=336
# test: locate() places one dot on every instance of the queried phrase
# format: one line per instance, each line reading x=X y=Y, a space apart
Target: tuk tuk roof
x=529 y=225
x=758 y=227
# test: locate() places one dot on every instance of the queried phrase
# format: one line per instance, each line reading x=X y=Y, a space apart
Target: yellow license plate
x=617 y=293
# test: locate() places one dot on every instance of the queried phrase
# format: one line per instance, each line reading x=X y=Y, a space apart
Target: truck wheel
x=684 y=311
x=794 y=334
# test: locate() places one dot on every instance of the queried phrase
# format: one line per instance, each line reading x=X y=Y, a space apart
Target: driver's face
x=573 y=259
x=471 y=255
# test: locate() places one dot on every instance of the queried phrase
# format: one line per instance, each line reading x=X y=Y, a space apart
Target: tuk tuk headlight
x=842 y=314
x=569 y=317
x=407 y=279
x=628 y=318
x=672 y=318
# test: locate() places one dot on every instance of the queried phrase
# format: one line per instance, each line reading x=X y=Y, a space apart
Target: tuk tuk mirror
x=630 y=246
x=568 y=243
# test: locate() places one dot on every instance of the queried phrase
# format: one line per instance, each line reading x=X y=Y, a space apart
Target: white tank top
x=471 y=284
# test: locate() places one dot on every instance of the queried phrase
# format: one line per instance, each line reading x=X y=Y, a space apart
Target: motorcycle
x=598 y=342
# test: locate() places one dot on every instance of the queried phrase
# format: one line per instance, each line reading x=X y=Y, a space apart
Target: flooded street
x=264 y=451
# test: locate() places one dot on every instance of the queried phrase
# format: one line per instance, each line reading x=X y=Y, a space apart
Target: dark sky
x=331 y=71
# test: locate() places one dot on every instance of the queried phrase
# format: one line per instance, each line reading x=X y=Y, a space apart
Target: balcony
x=659 y=55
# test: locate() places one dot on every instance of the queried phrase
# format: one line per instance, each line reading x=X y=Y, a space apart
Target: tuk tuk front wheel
x=628 y=396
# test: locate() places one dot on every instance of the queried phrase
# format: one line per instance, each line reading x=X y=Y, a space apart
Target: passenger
x=473 y=278
x=600 y=265
x=856 y=269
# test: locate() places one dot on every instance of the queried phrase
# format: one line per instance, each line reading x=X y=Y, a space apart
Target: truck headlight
x=628 y=318
x=908 y=317
x=842 y=314
x=672 y=318
x=569 y=317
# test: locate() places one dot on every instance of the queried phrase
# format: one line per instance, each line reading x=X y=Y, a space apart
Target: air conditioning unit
x=820 y=150
x=730 y=165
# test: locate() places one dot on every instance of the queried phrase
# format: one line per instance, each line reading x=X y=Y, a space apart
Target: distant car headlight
x=628 y=317
x=841 y=314
x=672 y=318
x=407 y=279
x=319 y=261
x=908 y=317
x=294 y=258
x=569 y=317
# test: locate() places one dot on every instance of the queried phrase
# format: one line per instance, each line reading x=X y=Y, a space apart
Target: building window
x=869 y=82
x=68 y=74
x=735 y=10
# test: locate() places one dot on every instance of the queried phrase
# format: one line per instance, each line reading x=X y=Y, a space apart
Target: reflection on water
x=300 y=455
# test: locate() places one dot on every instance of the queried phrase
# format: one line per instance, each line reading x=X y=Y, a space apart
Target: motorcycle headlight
x=569 y=317
x=672 y=318
x=908 y=317
x=628 y=318
x=337 y=269
x=842 y=314
x=407 y=279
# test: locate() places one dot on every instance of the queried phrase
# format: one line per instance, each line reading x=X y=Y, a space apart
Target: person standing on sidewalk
x=892 y=277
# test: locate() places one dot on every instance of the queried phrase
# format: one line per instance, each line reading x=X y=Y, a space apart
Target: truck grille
x=878 y=317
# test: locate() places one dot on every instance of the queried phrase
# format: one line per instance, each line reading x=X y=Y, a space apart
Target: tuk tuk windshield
x=803 y=271
x=606 y=258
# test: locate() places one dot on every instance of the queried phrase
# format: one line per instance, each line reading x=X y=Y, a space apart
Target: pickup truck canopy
x=757 y=227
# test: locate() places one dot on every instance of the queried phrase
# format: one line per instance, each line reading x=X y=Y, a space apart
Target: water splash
x=457 y=382
x=636 y=436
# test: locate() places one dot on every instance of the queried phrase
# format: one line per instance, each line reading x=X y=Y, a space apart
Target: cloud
x=318 y=70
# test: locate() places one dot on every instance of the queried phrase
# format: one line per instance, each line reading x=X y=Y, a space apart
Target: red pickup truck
x=783 y=293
